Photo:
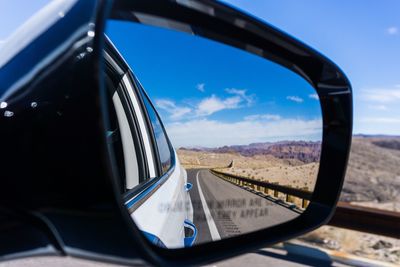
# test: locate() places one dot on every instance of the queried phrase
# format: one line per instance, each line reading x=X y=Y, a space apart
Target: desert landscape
x=372 y=179
x=373 y=173
x=289 y=163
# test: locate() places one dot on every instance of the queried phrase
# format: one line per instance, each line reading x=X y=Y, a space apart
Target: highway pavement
x=222 y=209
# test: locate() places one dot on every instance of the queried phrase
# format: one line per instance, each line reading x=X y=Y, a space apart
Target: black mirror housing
x=58 y=185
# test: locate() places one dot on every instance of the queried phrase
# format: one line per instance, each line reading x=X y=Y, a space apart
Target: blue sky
x=210 y=94
x=361 y=36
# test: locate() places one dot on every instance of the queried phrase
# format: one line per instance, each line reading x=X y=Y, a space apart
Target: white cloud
x=213 y=104
x=380 y=120
x=313 y=96
x=206 y=106
x=2 y=42
x=242 y=93
x=172 y=109
x=296 y=99
x=378 y=107
x=271 y=117
x=211 y=133
x=378 y=124
x=381 y=95
x=392 y=30
x=201 y=87
x=376 y=110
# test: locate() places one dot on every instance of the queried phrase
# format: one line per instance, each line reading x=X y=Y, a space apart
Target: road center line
x=210 y=221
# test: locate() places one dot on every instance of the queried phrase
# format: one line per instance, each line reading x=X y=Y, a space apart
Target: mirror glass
x=209 y=141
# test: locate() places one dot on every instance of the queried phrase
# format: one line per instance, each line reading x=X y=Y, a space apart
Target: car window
x=114 y=134
x=160 y=137
x=121 y=138
x=131 y=166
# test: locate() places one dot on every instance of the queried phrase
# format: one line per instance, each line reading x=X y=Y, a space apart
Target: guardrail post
x=266 y=190
x=275 y=193
x=304 y=203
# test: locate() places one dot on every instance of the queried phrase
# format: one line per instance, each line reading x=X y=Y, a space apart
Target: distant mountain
x=389 y=143
x=305 y=151
x=381 y=140
x=375 y=136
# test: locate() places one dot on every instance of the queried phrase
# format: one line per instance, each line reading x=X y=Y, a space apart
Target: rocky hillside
x=304 y=151
x=373 y=173
x=391 y=143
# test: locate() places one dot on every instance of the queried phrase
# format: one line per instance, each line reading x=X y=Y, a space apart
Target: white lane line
x=210 y=221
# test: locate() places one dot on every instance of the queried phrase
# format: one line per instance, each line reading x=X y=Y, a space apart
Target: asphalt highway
x=222 y=209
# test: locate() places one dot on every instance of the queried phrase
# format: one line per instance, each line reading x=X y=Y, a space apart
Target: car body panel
x=164 y=213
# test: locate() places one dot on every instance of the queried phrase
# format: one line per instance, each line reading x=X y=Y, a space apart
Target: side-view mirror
x=179 y=132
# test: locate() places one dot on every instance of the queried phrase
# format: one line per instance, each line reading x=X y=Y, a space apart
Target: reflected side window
x=160 y=137
x=121 y=138
x=113 y=134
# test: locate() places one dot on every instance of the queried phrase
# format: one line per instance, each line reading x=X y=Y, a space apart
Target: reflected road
x=230 y=210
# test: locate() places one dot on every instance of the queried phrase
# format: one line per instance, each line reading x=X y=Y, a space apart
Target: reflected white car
x=153 y=181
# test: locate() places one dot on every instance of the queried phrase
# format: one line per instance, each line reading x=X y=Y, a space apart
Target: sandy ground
x=301 y=176
x=357 y=243
x=293 y=173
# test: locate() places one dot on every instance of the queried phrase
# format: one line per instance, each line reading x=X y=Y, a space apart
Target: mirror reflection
x=209 y=141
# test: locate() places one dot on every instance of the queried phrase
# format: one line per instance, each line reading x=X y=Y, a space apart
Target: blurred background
x=363 y=38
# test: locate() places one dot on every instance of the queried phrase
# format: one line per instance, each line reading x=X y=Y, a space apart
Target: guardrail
x=365 y=219
x=289 y=192
x=349 y=216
